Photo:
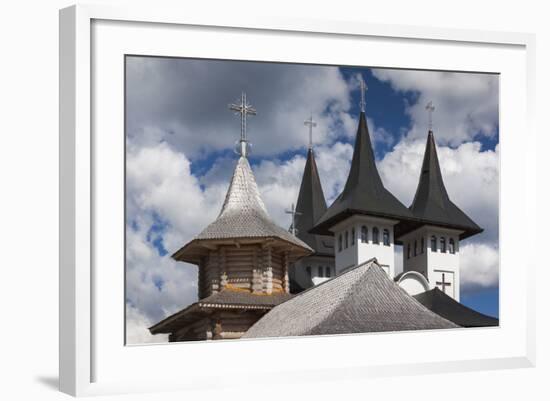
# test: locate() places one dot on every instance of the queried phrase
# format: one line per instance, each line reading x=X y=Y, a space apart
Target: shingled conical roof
x=432 y=204
x=364 y=192
x=361 y=300
x=243 y=216
x=311 y=205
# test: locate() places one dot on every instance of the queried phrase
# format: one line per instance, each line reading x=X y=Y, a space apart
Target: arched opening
x=364 y=234
x=352 y=236
x=443 y=244
x=433 y=244
x=375 y=239
x=452 y=246
x=386 y=237
x=340 y=243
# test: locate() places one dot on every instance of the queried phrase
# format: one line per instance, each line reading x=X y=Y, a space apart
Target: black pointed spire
x=364 y=192
x=431 y=202
x=311 y=206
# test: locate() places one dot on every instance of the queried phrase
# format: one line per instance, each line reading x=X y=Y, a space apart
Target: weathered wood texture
x=249 y=267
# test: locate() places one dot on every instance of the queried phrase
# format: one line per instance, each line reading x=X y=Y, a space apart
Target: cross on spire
x=311 y=124
x=430 y=107
x=294 y=213
x=443 y=283
x=363 y=88
x=244 y=109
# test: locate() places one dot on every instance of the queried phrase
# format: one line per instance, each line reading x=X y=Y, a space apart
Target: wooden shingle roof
x=361 y=300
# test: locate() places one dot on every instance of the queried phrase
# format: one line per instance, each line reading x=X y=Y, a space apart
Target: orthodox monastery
x=334 y=270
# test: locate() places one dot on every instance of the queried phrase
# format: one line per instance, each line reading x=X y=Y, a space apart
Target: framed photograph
x=324 y=197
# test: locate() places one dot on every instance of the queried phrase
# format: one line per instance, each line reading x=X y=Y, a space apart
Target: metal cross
x=430 y=107
x=294 y=213
x=363 y=87
x=244 y=109
x=311 y=124
x=443 y=283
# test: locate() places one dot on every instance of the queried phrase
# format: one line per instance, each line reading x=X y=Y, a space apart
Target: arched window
x=386 y=237
x=422 y=245
x=364 y=234
x=320 y=271
x=308 y=271
x=375 y=239
x=352 y=236
x=452 y=245
x=346 y=239
x=443 y=245
x=327 y=271
x=409 y=250
x=340 y=243
x=415 y=247
x=433 y=243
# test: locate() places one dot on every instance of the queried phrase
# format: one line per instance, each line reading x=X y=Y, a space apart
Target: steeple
x=431 y=202
x=311 y=206
x=364 y=192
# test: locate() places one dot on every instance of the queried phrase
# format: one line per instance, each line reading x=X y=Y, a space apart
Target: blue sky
x=180 y=139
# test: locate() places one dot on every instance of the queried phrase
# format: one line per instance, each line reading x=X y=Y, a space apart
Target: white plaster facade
x=439 y=264
x=314 y=269
x=359 y=248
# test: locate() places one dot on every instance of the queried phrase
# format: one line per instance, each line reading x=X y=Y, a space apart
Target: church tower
x=432 y=249
x=363 y=217
x=311 y=205
x=243 y=260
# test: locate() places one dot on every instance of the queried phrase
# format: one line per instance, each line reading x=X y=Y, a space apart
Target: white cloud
x=136 y=329
x=479 y=266
x=466 y=104
x=172 y=99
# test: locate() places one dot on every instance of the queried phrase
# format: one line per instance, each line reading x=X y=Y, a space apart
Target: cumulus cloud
x=136 y=329
x=184 y=102
x=479 y=266
x=466 y=104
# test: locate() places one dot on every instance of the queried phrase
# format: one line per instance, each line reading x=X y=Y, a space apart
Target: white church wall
x=313 y=268
x=359 y=251
x=434 y=263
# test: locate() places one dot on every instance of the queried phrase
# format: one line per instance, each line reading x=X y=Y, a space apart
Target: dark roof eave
x=323 y=228
x=180 y=254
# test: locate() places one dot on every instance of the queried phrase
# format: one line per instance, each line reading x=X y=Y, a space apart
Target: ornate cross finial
x=244 y=109
x=294 y=213
x=430 y=107
x=311 y=124
x=363 y=88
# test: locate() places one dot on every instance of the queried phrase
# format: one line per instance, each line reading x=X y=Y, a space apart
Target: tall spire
x=364 y=192
x=244 y=109
x=431 y=202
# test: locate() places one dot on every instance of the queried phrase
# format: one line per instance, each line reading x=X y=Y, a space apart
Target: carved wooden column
x=286 y=283
x=267 y=271
x=222 y=263
x=256 y=284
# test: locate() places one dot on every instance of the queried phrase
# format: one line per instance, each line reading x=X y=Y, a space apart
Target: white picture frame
x=86 y=352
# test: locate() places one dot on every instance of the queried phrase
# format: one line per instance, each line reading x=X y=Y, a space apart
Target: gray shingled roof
x=311 y=205
x=431 y=202
x=364 y=192
x=226 y=299
x=442 y=304
x=243 y=215
x=361 y=300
